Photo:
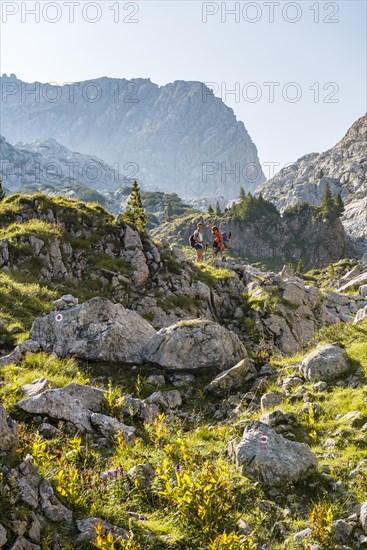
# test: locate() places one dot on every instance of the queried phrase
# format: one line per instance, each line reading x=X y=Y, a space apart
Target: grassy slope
x=199 y=449
x=23 y=297
x=198 y=446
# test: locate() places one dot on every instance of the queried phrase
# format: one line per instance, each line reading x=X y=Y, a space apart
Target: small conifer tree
x=135 y=213
x=327 y=203
x=338 y=205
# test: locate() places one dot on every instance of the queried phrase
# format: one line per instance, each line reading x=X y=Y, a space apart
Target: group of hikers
x=197 y=242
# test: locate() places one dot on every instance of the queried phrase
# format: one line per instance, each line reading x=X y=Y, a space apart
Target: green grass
x=37 y=228
x=210 y=275
x=58 y=371
x=20 y=304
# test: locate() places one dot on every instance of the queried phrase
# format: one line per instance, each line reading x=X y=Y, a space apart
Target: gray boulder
x=3 y=536
x=37 y=493
x=86 y=528
x=326 y=363
x=110 y=426
x=23 y=544
x=363 y=516
x=271 y=399
x=97 y=330
x=58 y=405
x=39 y=385
x=8 y=431
x=357 y=282
x=22 y=349
x=89 y=396
x=233 y=378
x=65 y=302
x=360 y=315
x=78 y=404
x=268 y=457
x=167 y=400
x=141 y=475
x=194 y=345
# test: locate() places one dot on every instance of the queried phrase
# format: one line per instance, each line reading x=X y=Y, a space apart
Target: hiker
x=218 y=241
x=198 y=242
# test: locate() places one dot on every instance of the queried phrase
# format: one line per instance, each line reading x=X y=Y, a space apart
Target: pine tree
x=327 y=203
x=210 y=209
x=242 y=194
x=2 y=193
x=300 y=267
x=338 y=205
x=135 y=214
x=218 y=211
x=169 y=212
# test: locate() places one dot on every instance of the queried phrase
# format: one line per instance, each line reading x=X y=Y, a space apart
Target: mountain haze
x=178 y=137
x=46 y=161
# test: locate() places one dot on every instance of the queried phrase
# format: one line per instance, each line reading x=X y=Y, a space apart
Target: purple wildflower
x=177 y=467
x=113 y=473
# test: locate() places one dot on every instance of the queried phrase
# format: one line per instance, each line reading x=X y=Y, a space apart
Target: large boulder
x=8 y=431
x=270 y=458
x=96 y=330
x=326 y=363
x=232 y=379
x=195 y=345
x=78 y=404
x=58 y=405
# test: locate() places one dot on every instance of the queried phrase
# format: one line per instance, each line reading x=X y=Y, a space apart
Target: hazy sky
x=314 y=53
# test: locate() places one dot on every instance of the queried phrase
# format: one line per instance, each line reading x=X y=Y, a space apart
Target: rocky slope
x=47 y=162
x=344 y=167
x=160 y=406
x=269 y=238
x=162 y=136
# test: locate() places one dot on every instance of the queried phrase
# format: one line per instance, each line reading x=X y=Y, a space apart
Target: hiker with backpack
x=197 y=242
x=218 y=241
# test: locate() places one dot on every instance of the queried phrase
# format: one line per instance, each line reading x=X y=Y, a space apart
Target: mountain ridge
x=343 y=167
x=173 y=135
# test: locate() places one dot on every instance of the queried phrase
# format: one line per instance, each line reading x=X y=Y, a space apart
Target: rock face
x=199 y=137
x=268 y=457
x=344 y=167
x=326 y=363
x=95 y=330
x=195 y=345
x=289 y=311
x=8 y=431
